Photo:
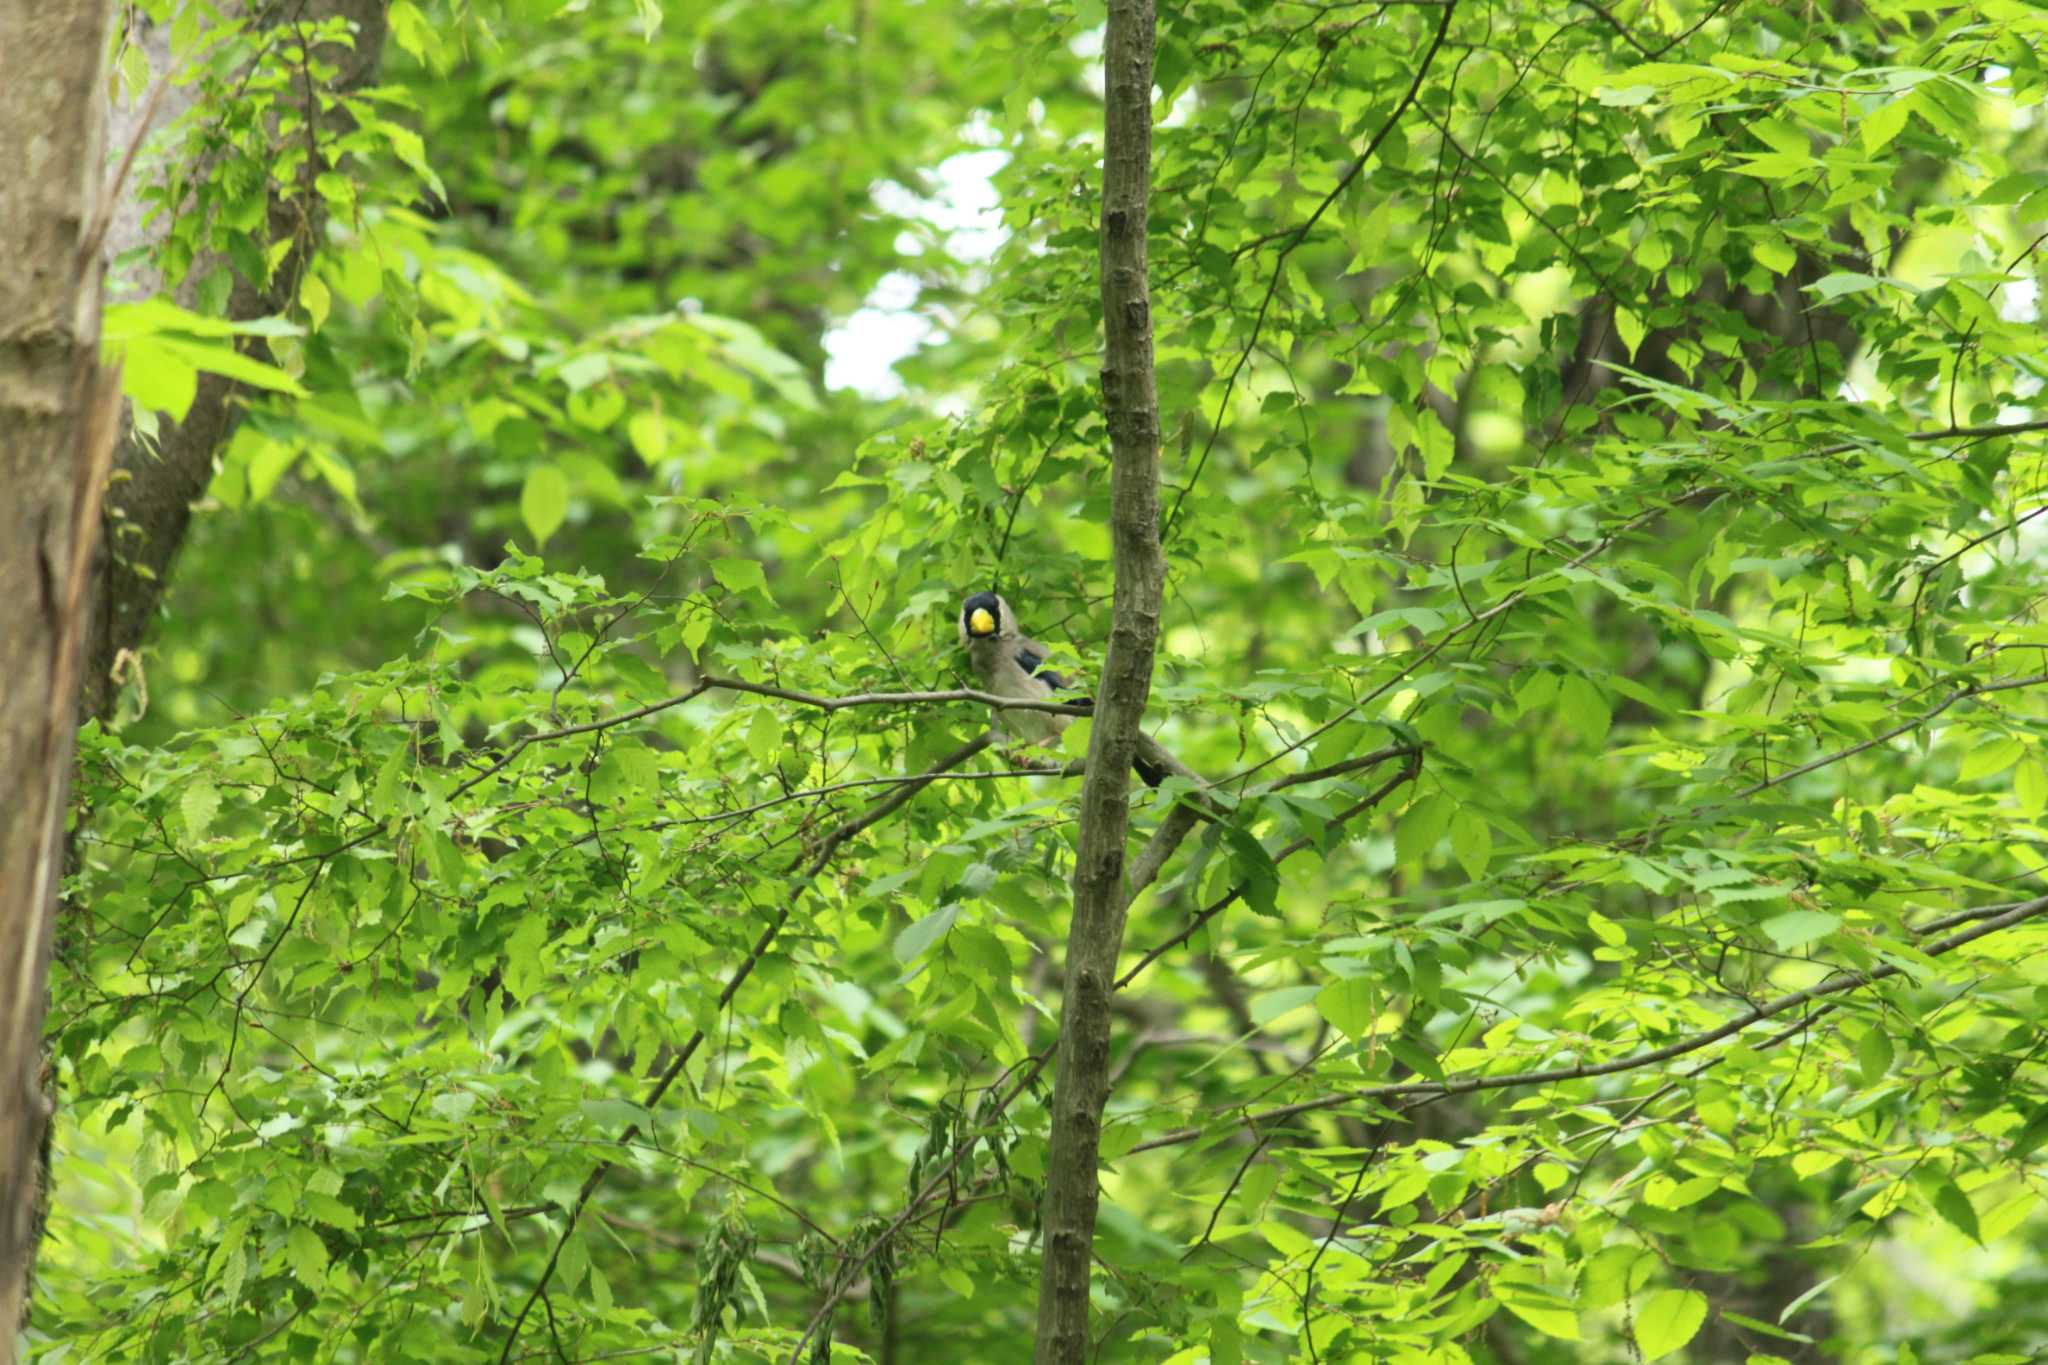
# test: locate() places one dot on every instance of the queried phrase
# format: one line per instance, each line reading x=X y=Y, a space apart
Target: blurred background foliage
x=1629 y=409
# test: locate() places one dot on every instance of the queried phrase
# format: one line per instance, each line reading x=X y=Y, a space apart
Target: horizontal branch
x=811 y=699
x=1978 y=433
x=1960 y=694
x=1465 y=1085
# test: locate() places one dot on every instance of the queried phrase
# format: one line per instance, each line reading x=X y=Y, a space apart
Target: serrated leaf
x=1885 y=122
x=1252 y=870
x=2031 y=1135
x=197 y=805
x=307 y=1256
x=1630 y=329
x=1667 y=1319
x=740 y=575
x=1472 y=842
x=1349 y=1005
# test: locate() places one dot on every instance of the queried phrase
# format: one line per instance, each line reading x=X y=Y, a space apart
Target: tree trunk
x=66 y=617
x=149 y=507
x=1131 y=407
x=57 y=413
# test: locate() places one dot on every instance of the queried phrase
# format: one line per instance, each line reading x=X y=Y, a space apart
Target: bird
x=1011 y=664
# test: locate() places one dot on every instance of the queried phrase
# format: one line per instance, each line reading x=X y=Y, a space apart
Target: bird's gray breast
x=995 y=661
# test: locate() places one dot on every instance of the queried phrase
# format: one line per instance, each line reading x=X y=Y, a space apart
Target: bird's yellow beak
x=979 y=622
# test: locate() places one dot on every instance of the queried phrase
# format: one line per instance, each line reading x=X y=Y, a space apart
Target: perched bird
x=1011 y=664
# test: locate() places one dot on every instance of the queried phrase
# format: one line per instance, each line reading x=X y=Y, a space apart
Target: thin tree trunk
x=57 y=415
x=1131 y=407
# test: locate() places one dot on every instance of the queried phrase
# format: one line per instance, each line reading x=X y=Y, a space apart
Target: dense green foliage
x=1622 y=420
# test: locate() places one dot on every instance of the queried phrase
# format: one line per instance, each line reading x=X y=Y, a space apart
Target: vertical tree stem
x=1131 y=407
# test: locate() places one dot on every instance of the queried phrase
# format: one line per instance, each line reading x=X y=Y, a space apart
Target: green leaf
x=2012 y=188
x=1775 y=254
x=1350 y=1006
x=913 y=942
x=1271 y=1005
x=1749 y=1324
x=1954 y=1206
x=1797 y=928
x=649 y=432
x=1583 y=707
x=1667 y=1319
x=156 y=377
x=221 y=359
x=1074 y=740
x=158 y=316
x=1991 y=757
x=1840 y=283
x=2030 y=786
x=197 y=806
x=544 y=502
x=316 y=298
x=1882 y=124
x=2031 y=1135
x=1472 y=842
x=307 y=1256
x=1422 y=825
x=1629 y=327
x=740 y=575
x=1253 y=870
x=1546 y=1315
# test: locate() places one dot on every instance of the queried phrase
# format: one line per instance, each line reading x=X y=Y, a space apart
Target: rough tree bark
x=149 y=504
x=57 y=413
x=67 y=615
x=1131 y=407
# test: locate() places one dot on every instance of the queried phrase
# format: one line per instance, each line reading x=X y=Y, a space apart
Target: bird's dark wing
x=1032 y=662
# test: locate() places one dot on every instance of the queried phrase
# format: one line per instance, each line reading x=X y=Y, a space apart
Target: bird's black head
x=981 y=616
